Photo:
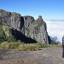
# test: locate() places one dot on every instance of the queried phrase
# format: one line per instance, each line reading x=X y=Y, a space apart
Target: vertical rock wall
x=27 y=25
x=36 y=29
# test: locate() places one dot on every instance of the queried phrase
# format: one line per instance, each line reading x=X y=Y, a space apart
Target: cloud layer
x=55 y=28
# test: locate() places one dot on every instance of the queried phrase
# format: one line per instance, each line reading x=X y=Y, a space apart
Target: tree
x=53 y=40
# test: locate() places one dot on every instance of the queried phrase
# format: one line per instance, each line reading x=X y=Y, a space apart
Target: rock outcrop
x=27 y=25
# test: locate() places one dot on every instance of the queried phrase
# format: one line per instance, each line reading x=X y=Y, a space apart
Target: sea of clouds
x=55 y=28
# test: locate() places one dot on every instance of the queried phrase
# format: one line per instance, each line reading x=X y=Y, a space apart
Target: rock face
x=27 y=25
x=13 y=20
x=36 y=29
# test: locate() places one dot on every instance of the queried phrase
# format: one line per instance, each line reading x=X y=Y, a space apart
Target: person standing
x=63 y=46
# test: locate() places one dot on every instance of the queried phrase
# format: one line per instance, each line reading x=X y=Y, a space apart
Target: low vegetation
x=22 y=46
x=25 y=47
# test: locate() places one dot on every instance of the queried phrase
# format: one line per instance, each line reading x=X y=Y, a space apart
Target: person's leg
x=63 y=51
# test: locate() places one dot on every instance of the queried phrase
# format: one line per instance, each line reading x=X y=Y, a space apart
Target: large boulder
x=26 y=25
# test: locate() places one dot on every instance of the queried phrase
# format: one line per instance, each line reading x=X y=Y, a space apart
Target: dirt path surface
x=44 y=56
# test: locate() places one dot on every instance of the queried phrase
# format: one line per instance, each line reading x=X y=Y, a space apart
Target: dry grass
x=25 y=47
x=22 y=46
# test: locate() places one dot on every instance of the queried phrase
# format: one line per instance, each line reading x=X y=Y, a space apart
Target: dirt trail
x=44 y=56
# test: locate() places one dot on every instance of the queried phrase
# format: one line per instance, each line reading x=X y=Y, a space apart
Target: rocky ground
x=44 y=56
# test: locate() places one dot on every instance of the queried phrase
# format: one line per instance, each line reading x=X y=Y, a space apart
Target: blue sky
x=49 y=9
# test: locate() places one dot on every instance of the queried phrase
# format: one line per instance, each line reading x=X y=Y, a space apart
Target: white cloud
x=55 y=29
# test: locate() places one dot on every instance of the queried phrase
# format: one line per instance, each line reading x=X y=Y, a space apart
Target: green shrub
x=9 y=45
x=13 y=45
x=9 y=36
x=4 y=45
x=2 y=35
x=43 y=45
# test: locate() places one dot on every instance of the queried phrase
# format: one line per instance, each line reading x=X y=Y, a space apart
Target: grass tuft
x=22 y=46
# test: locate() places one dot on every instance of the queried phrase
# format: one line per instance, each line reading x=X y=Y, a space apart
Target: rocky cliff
x=26 y=25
